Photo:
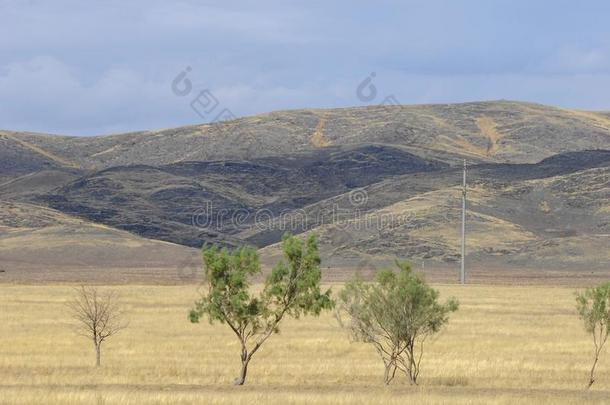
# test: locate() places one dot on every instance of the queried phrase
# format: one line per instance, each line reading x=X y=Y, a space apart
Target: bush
x=396 y=314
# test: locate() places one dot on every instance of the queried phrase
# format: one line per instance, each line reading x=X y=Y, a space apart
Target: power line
x=462 y=270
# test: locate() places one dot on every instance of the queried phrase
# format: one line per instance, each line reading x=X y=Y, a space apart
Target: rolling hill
x=38 y=243
x=372 y=182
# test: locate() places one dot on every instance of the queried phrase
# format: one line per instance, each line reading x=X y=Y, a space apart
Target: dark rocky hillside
x=538 y=182
x=195 y=202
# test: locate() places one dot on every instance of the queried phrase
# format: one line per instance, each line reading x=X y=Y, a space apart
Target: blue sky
x=86 y=67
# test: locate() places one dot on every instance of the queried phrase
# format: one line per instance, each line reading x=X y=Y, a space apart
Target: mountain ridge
x=206 y=183
x=436 y=128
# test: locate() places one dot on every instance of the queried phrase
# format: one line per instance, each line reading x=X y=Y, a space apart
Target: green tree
x=593 y=307
x=291 y=289
x=396 y=314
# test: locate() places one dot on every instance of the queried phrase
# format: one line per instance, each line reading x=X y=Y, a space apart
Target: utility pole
x=462 y=270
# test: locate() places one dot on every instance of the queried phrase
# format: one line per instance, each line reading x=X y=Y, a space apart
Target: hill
x=545 y=215
x=41 y=244
x=538 y=186
x=500 y=131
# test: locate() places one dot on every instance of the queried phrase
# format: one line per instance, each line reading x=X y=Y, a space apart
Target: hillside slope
x=520 y=215
x=498 y=131
x=373 y=182
x=38 y=243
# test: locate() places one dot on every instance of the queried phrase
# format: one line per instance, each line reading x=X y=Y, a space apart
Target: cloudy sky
x=87 y=67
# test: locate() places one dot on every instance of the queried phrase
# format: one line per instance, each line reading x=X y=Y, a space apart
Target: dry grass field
x=505 y=345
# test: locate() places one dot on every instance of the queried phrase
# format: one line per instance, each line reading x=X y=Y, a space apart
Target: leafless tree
x=97 y=314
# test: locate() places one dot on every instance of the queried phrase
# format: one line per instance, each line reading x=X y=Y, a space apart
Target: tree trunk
x=245 y=359
x=413 y=372
x=242 y=375
x=591 y=376
x=413 y=365
x=98 y=355
x=389 y=373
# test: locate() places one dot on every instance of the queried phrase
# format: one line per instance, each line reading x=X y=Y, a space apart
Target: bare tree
x=98 y=315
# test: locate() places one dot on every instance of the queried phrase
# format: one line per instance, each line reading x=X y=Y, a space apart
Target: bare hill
x=38 y=243
x=499 y=131
x=538 y=188
x=518 y=215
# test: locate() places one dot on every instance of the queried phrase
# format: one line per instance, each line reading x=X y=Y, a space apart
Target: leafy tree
x=291 y=289
x=396 y=314
x=593 y=307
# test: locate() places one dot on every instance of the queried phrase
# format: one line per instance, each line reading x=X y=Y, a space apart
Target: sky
x=100 y=67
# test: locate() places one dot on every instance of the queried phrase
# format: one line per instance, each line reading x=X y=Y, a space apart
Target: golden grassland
x=505 y=345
